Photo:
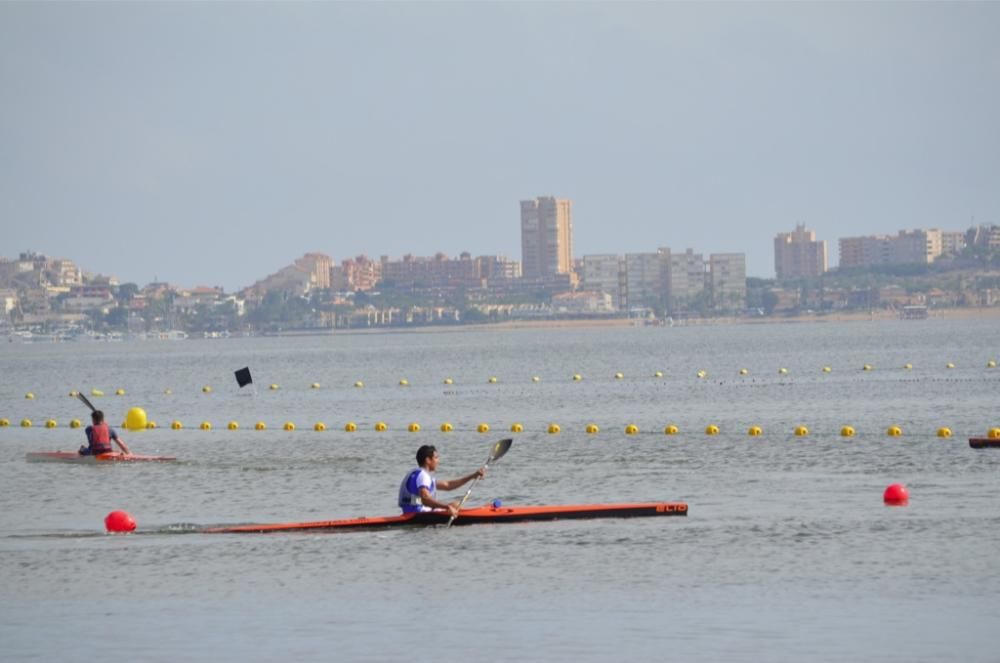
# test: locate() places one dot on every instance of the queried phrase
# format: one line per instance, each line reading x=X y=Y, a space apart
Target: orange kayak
x=474 y=516
x=74 y=457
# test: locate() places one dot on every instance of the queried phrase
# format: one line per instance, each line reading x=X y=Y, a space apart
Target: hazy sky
x=211 y=143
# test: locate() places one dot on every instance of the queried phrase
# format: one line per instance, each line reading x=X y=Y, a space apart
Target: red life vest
x=100 y=438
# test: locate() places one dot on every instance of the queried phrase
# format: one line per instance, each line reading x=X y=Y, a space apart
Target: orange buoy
x=896 y=495
x=119 y=521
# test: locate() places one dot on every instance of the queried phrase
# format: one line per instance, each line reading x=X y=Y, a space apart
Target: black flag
x=243 y=377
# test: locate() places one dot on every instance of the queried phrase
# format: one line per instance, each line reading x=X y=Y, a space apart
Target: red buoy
x=119 y=521
x=896 y=495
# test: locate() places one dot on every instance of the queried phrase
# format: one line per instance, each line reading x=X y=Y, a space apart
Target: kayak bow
x=74 y=457
x=474 y=516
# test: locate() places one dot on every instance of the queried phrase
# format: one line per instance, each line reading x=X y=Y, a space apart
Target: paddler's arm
x=428 y=500
x=121 y=443
x=444 y=484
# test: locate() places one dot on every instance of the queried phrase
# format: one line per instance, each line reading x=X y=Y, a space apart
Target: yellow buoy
x=314 y=385
x=414 y=427
x=168 y=391
x=233 y=425
x=74 y=423
x=135 y=419
x=671 y=429
x=827 y=369
x=554 y=429
x=4 y=422
x=359 y=384
x=755 y=431
x=950 y=365
x=51 y=423
x=273 y=387
x=119 y=392
x=25 y=423
x=206 y=389
x=658 y=374
x=847 y=431
x=535 y=378
x=577 y=377
x=74 y=394
x=381 y=427
x=992 y=363
x=711 y=429
x=176 y=425
x=206 y=425
x=782 y=371
x=994 y=434
x=319 y=427
x=493 y=379
x=446 y=427
x=260 y=425
x=448 y=381
x=150 y=425
x=289 y=426
x=894 y=431
x=866 y=367
x=483 y=428
x=908 y=366
x=744 y=371
x=619 y=376
x=801 y=431
x=404 y=382
x=30 y=396
x=631 y=429
x=701 y=374
x=96 y=392
x=944 y=431
x=592 y=429
x=350 y=427
x=516 y=428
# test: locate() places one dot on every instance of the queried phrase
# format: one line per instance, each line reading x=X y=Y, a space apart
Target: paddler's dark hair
x=97 y=416
x=425 y=452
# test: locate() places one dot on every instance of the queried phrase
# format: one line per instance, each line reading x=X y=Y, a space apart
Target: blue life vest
x=409 y=491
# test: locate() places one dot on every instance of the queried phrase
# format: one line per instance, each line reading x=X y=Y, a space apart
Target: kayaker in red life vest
x=418 y=489
x=99 y=437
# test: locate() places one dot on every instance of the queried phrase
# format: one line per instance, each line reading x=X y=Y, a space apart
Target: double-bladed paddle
x=497 y=452
x=86 y=402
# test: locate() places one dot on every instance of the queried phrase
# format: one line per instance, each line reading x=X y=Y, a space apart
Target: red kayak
x=474 y=516
x=74 y=457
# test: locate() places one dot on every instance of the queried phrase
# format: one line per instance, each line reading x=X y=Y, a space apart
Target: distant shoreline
x=978 y=313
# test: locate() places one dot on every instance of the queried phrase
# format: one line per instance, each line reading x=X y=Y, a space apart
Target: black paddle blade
x=83 y=398
x=243 y=377
x=500 y=448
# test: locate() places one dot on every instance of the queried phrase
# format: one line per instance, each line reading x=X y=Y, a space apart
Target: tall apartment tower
x=546 y=237
x=798 y=255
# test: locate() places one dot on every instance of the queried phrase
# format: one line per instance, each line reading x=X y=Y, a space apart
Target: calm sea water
x=787 y=553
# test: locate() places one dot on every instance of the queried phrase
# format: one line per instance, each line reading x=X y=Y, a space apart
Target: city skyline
x=160 y=141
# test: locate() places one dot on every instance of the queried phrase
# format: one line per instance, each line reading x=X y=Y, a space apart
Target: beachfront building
x=603 y=272
x=686 y=281
x=646 y=276
x=952 y=242
x=355 y=274
x=984 y=236
x=908 y=247
x=799 y=255
x=546 y=237
x=727 y=276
